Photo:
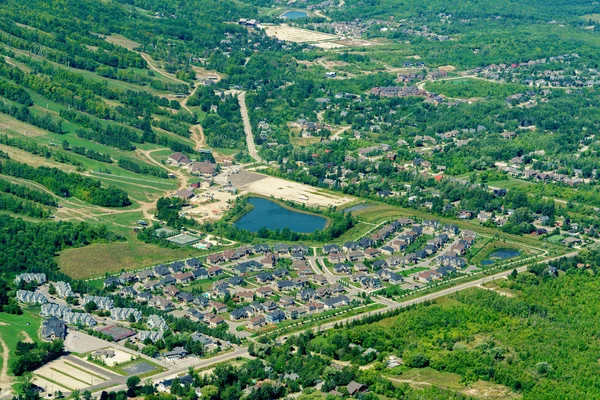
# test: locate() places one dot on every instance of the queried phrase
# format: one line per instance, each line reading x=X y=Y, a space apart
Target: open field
x=67 y=375
x=122 y=41
x=423 y=377
x=10 y=124
x=268 y=186
x=297 y=35
x=97 y=259
x=14 y=328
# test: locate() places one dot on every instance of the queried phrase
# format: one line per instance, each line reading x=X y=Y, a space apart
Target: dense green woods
x=26 y=246
x=68 y=184
x=537 y=339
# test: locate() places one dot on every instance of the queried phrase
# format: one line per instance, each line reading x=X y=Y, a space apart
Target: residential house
x=275 y=317
x=54 y=328
x=157 y=322
x=28 y=277
x=178 y=159
x=125 y=314
x=63 y=290
x=27 y=297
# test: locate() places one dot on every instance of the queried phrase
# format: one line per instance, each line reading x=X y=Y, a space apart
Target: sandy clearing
x=328 y=45
x=56 y=375
x=297 y=35
x=49 y=387
x=34 y=160
x=119 y=358
x=63 y=365
x=62 y=373
x=4 y=377
x=26 y=337
x=288 y=190
x=447 y=68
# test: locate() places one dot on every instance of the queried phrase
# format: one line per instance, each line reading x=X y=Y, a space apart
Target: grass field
x=98 y=259
x=511 y=184
x=14 y=328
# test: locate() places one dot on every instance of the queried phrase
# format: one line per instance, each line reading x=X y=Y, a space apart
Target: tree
x=133 y=383
x=90 y=306
x=210 y=392
x=51 y=290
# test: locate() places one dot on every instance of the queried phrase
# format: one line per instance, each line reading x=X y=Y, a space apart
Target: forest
x=534 y=341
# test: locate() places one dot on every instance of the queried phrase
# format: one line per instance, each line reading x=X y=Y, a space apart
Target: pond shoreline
x=249 y=208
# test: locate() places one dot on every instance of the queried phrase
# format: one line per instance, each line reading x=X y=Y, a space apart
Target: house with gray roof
x=38 y=279
x=53 y=310
x=153 y=336
x=157 y=322
x=54 y=328
x=123 y=314
x=74 y=318
x=28 y=297
x=63 y=290
x=103 y=303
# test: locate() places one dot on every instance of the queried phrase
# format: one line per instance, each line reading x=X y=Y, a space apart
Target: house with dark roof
x=54 y=328
x=178 y=159
x=331 y=248
x=176 y=354
x=204 y=169
x=275 y=317
x=355 y=387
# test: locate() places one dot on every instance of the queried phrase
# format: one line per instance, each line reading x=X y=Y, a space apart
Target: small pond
x=294 y=14
x=500 y=254
x=271 y=215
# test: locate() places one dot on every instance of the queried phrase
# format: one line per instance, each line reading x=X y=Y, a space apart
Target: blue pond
x=294 y=14
x=272 y=216
x=501 y=254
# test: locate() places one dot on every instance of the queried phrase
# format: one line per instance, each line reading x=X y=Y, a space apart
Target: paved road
x=389 y=305
x=438 y=294
x=248 y=128
x=184 y=367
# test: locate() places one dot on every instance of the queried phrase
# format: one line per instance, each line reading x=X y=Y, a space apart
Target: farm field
x=98 y=259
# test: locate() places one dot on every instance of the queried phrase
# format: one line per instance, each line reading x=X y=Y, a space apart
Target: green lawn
x=14 y=328
x=98 y=259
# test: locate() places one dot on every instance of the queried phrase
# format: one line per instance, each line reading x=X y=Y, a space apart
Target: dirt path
x=177 y=172
x=198 y=136
x=155 y=69
x=336 y=135
x=197 y=131
x=248 y=128
x=5 y=380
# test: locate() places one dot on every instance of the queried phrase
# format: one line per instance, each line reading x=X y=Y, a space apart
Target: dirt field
x=328 y=45
x=447 y=68
x=64 y=375
x=297 y=35
x=204 y=209
x=265 y=185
